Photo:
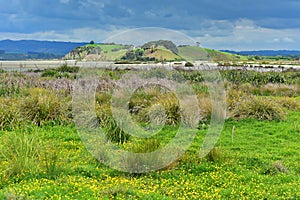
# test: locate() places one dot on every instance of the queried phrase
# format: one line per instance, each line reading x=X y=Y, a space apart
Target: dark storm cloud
x=200 y=18
x=78 y=13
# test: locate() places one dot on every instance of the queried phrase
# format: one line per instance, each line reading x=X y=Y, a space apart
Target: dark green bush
x=69 y=69
x=50 y=73
x=189 y=64
x=60 y=72
x=253 y=77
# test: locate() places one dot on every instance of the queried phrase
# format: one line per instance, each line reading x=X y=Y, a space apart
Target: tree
x=92 y=42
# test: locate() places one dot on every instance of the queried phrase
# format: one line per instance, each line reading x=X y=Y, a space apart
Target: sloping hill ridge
x=161 y=50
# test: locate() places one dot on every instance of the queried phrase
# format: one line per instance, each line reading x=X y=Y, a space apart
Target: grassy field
x=256 y=157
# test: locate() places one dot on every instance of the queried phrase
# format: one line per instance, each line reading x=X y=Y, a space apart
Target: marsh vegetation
x=257 y=155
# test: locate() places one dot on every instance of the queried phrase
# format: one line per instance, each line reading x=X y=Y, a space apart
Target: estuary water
x=30 y=65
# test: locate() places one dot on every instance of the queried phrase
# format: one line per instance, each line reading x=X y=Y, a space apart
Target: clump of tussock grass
x=258 y=108
x=142 y=155
x=40 y=106
x=277 y=167
x=10 y=117
x=216 y=154
x=288 y=103
x=113 y=132
x=272 y=89
x=22 y=152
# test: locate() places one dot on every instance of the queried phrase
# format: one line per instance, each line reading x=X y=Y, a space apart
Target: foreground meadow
x=256 y=157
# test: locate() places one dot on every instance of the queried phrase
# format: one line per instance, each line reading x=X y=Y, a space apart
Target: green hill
x=107 y=52
x=161 y=50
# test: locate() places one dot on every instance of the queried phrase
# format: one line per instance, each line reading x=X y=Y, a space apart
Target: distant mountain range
x=265 y=52
x=29 y=46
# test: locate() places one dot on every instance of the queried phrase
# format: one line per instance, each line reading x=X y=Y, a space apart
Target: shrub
x=66 y=68
x=123 y=62
x=50 y=73
x=258 y=108
x=253 y=77
x=62 y=71
x=189 y=64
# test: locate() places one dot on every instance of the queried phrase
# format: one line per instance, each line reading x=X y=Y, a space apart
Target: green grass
x=161 y=53
x=116 y=55
x=241 y=173
x=110 y=51
x=223 y=56
x=193 y=53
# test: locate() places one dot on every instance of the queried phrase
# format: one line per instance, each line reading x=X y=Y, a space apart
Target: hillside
x=99 y=52
x=193 y=53
x=216 y=55
x=161 y=50
x=161 y=53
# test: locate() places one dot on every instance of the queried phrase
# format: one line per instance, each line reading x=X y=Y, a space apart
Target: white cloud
x=92 y=4
x=73 y=35
x=140 y=36
x=245 y=35
x=288 y=39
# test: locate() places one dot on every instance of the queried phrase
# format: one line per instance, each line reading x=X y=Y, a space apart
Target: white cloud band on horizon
x=218 y=34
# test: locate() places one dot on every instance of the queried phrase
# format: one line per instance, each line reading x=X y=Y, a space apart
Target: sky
x=216 y=24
